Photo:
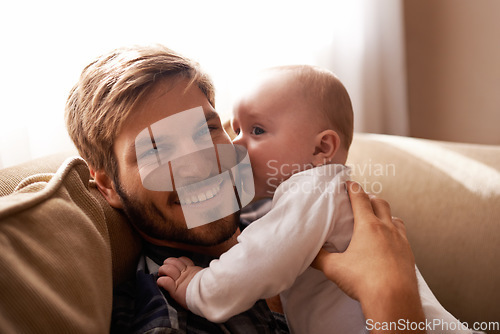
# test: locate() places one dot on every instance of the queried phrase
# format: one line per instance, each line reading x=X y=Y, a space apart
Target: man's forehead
x=179 y=122
x=168 y=97
x=185 y=118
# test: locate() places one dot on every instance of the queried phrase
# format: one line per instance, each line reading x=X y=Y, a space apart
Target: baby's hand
x=175 y=275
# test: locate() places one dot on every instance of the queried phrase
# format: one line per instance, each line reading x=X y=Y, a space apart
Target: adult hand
x=378 y=267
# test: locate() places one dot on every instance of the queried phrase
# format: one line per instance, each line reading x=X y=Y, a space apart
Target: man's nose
x=240 y=140
x=194 y=167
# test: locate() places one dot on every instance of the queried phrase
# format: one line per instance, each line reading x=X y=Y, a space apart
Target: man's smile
x=200 y=192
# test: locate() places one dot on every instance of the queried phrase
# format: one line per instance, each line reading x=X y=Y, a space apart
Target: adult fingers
x=400 y=225
x=320 y=260
x=381 y=208
x=326 y=262
x=398 y=222
x=361 y=206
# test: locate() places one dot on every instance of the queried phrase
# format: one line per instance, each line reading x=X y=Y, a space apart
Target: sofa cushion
x=48 y=222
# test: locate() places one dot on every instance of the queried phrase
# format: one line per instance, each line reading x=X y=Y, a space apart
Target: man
x=125 y=94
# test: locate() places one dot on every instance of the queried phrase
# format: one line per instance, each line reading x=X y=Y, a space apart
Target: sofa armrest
x=448 y=194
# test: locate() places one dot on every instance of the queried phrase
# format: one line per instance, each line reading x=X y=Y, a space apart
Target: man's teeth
x=201 y=197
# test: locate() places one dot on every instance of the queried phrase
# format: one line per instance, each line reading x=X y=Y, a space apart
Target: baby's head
x=294 y=118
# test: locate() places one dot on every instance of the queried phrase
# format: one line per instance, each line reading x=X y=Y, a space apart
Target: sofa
x=63 y=248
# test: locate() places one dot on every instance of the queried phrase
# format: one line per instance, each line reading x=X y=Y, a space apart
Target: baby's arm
x=175 y=275
x=271 y=253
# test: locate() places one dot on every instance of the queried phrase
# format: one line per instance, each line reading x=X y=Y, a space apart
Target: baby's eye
x=257 y=130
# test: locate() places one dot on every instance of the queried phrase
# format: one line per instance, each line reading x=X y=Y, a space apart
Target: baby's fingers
x=174 y=267
x=180 y=263
x=167 y=283
x=186 y=261
x=170 y=270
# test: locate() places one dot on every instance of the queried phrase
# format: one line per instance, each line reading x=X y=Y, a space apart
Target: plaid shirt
x=140 y=306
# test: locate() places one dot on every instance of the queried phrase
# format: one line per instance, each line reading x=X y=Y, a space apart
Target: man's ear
x=106 y=188
x=326 y=144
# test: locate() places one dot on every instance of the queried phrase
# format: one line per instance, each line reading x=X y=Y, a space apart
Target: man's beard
x=150 y=220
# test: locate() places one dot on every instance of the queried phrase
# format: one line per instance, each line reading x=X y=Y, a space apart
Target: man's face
x=157 y=213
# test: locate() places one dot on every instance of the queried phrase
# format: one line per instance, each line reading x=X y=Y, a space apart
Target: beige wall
x=453 y=62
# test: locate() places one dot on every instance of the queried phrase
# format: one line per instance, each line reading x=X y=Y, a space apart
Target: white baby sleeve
x=271 y=253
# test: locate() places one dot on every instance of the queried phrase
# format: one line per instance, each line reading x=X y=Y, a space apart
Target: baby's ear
x=326 y=144
x=106 y=188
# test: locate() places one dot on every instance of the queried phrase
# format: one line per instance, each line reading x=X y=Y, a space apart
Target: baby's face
x=278 y=129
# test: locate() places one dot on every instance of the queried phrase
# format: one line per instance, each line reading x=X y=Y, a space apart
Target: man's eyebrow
x=145 y=142
x=211 y=115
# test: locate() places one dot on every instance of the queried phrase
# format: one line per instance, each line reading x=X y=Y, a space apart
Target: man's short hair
x=111 y=86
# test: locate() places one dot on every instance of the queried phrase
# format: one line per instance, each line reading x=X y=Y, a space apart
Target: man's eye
x=257 y=130
x=148 y=153
x=203 y=131
x=162 y=150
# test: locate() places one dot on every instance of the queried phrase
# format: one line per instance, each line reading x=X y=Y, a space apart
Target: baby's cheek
x=262 y=182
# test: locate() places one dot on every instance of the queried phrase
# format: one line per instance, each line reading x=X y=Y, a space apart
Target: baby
x=297 y=126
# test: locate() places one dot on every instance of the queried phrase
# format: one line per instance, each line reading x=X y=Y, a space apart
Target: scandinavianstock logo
x=368 y=174
x=177 y=153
